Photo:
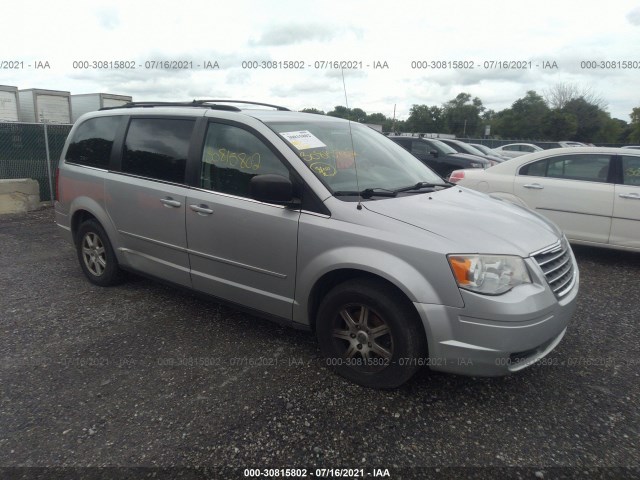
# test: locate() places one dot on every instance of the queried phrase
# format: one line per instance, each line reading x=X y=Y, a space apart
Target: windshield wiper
x=421 y=185
x=368 y=193
x=383 y=192
x=378 y=192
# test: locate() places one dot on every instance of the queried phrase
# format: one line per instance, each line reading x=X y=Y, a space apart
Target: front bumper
x=498 y=335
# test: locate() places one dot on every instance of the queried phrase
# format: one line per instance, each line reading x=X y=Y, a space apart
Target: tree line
x=564 y=112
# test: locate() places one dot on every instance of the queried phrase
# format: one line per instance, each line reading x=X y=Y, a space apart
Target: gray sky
x=231 y=32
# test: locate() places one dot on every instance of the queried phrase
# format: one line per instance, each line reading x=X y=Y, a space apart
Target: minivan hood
x=472 y=222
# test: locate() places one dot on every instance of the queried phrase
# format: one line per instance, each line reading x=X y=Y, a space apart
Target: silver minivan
x=320 y=223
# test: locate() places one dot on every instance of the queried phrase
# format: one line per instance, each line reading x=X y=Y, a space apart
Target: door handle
x=170 y=202
x=535 y=186
x=201 y=209
x=633 y=196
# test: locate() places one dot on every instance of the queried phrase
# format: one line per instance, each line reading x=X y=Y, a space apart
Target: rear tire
x=370 y=334
x=96 y=256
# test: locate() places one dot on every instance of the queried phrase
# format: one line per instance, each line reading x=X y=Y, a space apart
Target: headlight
x=488 y=274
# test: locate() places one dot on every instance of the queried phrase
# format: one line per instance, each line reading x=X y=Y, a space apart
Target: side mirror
x=434 y=153
x=270 y=188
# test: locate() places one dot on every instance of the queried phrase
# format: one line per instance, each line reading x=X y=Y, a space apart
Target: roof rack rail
x=197 y=103
x=244 y=102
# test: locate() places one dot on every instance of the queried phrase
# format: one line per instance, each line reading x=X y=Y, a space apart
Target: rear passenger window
x=157 y=148
x=591 y=168
x=232 y=157
x=631 y=170
x=93 y=141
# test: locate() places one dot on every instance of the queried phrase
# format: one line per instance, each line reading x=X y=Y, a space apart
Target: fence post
x=46 y=146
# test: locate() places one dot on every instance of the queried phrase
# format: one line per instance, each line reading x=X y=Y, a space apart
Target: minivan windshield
x=328 y=150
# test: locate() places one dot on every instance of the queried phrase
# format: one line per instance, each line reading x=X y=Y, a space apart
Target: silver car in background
x=322 y=224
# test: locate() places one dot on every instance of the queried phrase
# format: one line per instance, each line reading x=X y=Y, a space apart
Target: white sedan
x=591 y=193
x=513 y=150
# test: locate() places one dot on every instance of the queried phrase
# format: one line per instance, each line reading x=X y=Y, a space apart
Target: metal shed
x=9 y=104
x=38 y=105
x=89 y=102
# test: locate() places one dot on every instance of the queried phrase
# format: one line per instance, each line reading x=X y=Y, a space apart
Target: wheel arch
x=84 y=208
x=78 y=218
x=336 y=277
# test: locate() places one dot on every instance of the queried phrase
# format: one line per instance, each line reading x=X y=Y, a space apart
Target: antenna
x=353 y=150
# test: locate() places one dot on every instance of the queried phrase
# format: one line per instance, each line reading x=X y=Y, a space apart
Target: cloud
x=634 y=16
x=108 y=18
x=280 y=35
x=305 y=89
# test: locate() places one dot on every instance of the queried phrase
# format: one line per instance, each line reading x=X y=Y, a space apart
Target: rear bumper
x=493 y=336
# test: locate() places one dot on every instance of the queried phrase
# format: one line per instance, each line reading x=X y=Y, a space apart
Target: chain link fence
x=25 y=148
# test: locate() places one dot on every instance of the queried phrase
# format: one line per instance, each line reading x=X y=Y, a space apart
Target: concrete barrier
x=19 y=195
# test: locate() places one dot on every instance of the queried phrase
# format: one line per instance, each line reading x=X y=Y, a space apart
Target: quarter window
x=93 y=141
x=157 y=148
x=536 y=169
x=232 y=157
x=631 y=170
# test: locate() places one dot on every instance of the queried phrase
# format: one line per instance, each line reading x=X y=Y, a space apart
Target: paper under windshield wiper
x=421 y=185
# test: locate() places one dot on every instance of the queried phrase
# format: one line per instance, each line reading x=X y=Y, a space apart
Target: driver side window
x=232 y=156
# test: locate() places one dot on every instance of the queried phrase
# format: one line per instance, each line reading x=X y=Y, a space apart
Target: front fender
x=391 y=268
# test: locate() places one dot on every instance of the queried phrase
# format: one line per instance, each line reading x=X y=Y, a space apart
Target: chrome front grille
x=558 y=268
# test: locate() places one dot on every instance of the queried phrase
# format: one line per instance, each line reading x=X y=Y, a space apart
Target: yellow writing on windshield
x=338 y=155
x=314 y=156
x=240 y=160
x=323 y=169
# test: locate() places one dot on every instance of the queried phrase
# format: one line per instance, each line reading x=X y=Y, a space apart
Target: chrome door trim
x=151 y=240
x=234 y=263
x=153 y=259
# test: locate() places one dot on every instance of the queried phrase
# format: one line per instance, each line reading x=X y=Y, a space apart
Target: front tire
x=370 y=334
x=96 y=256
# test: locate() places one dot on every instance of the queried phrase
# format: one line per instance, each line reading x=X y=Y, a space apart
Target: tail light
x=456 y=176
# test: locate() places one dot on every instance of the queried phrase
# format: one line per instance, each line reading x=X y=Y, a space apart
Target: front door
x=573 y=191
x=625 y=227
x=241 y=250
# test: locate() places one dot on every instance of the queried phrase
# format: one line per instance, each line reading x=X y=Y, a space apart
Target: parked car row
x=591 y=193
x=464 y=147
x=513 y=150
x=488 y=151
x=439 y=156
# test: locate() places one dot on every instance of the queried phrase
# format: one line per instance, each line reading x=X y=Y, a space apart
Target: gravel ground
x=144 y=375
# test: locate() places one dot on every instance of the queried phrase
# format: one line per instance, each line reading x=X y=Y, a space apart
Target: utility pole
x=393 y=125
